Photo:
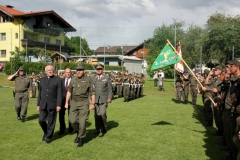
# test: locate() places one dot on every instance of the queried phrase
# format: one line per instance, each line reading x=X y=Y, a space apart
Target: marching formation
x=77 y=93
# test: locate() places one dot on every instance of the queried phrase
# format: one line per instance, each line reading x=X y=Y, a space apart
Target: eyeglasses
x=99 y=69
x=80 y=69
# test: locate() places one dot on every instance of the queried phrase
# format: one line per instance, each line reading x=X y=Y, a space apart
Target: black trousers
x=62 y=118
x=47 y=121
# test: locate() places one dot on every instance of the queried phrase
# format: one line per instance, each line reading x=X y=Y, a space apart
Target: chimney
x=9 y=6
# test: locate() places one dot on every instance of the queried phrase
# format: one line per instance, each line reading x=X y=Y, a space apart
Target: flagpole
x=190 y=70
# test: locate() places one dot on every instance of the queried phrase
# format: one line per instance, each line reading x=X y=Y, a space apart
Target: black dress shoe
x=23 y=119
x=48 y=141
x=208 y=124
x=76 y=139
x=104 y=130
x=80 y=143
x=97 y=132
x=70 y=130
x=60 y=132
x=43 y=138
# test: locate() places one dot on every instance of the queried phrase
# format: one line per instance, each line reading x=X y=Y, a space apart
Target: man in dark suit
x=65 y=83
x=49 y=102
x=103 y=91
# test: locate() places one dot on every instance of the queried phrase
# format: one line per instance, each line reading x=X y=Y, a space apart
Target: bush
x=40 y=66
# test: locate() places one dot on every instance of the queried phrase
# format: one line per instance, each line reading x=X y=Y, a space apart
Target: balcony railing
x=46 y=30
x=52 y=47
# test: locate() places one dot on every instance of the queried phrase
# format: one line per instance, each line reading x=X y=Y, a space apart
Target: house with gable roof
x=42 y=29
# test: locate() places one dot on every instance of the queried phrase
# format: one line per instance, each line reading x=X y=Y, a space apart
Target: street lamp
x=26 y=50
x=143 y=57
x=122 y=58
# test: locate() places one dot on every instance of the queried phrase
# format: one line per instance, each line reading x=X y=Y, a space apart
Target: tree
x=38 y=53
x=159 y=40
x=191 y=43
x=223 y=32
x=73 y=44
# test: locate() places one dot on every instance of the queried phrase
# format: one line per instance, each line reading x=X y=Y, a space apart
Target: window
x=2 y=36
x=16 y=35
x=6 y=18
x=46 y=40
x=2 y=53
x=58 y=42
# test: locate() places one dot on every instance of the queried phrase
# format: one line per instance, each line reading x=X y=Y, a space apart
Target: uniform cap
x=218 y=68
x=99 y=66
x=21 y=69
x=80 y=67
x=234 y=62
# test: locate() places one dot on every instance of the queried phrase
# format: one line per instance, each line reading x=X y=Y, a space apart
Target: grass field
x=152 y=127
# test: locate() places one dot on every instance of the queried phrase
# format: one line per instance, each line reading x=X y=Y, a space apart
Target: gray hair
x=49 y=66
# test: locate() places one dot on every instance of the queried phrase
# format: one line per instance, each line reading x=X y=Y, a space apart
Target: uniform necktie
x=66 y=85
x=99 y=77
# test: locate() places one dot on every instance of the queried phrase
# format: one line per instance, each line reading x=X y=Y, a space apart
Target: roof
x=108 y=56
x=16 y=13
x=112 y=49
x=63 y=54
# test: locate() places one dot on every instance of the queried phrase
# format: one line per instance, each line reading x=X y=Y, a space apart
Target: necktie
x=98 y=77
x=66 y=85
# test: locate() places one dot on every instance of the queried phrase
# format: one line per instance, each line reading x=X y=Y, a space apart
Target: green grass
x=152 y=127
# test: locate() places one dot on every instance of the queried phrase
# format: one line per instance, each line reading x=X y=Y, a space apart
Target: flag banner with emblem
x=166 y=57
x=179 y=66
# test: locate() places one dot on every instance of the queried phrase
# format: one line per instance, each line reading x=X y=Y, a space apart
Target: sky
x=126 y=22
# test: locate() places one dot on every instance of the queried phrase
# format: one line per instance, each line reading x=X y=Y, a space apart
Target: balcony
x=46 y=30
x=52 y=47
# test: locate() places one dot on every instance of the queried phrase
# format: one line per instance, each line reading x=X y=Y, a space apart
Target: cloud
x=119 y=22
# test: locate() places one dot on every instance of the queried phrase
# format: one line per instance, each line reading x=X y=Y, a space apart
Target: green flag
x=165 y=58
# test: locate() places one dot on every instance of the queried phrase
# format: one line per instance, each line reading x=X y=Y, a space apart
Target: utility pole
x=80 y=47
x=201 y=58
x=60 y=58
x=104 y=59
x=233 y=53
x=175 y=42
x=45 y=52
x=26 y=50
x=122 y=58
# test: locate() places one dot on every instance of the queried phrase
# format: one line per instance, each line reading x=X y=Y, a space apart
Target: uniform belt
x=79 y=99
x=126 y=83
x=20 y=92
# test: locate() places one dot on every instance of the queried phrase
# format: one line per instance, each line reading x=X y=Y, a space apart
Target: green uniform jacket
x=103 y=88
x=81 y=88
x=22 y=84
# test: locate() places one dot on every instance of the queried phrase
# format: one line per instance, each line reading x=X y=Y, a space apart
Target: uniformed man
x=34 y=78
x=126 y=87
x=103 y=94
x=178 y=86
x=119 y=81
x=113 y=77
x=208 y=111
x=22 y=86
x=185 y=87
x=214 y=91
x=142 y=81
x=231 y=103
x=80 y=91
x=193 y=89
